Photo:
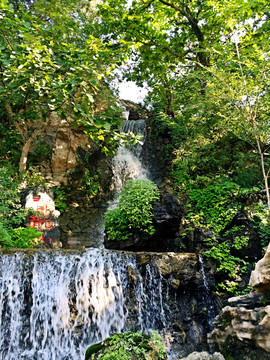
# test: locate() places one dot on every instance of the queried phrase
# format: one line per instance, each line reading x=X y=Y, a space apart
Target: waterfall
x=207 y=295
x=56 y=304
x=127 y=162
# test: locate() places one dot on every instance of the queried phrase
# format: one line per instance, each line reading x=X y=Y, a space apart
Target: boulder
x=243 y=333
x=64 y=155
x=260 y=276
x=242 y=329
x=203 y=356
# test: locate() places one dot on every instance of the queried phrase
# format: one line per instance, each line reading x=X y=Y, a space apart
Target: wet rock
x=135 y=111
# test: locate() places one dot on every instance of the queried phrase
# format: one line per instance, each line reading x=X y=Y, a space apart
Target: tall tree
x=166 y=39
x=51 y=64
x=239 y=86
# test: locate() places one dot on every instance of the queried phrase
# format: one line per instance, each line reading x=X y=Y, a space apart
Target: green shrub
x=134 y=211
x=9 y=139
x=5 y=238
x=11 y=212
x=215 y=205
x=91 y=184
x=60 y=199
x=128 y=346
x=25 y=237
x=229 y=265
x=262 y=220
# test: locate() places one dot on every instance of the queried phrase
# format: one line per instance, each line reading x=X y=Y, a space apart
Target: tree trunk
x=26 y=148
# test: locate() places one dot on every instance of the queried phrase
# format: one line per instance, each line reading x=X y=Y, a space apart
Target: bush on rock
x=134 y=212
x=127 y=346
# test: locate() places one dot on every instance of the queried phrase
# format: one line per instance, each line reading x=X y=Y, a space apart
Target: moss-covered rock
x=128 y=346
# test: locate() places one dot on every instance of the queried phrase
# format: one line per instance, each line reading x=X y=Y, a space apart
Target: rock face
x=243 y=333
x=167 y=215
x=65 y=143
x=64 y=154
x=82 y=224
x=260 y=277
x=242 y=329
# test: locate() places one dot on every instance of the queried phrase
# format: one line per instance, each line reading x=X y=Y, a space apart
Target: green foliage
x=9 y=139
x=11 y=212
x=245 y=291
x=127 y=346
x=228 y=264
x=55 y=64
x=25 y=237
x=91 y=184
x=60 y=199
x=5 y=238
x=215 y=205
x=262 y=221
x=134 y=211
x=32 y=178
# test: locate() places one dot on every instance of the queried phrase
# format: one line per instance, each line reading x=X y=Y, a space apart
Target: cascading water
x=211 y=314
x=127 y=163
x=54 y=305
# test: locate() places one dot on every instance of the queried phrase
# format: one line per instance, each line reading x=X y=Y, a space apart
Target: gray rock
x=204 y=356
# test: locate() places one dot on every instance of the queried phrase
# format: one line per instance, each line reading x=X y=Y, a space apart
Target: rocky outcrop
x=203 y=356
x=134 y=111
x=260 y=277
x=167 y=216
x=64 y=142
x=82 y=224
x=243 y=333
x=242 y=329
x=64 y=154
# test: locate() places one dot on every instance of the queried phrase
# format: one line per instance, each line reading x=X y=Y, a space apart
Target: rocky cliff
x=242 y=329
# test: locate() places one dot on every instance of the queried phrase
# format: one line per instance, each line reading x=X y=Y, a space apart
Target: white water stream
x=127 y=162
x=55 y=304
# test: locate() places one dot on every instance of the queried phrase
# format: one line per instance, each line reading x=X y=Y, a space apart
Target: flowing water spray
x=54 y=305
x=211 y=314
x=126 y=165
x=127 y=162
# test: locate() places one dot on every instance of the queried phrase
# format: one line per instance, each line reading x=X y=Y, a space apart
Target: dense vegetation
x=128 y=346
x=206 y=66
x=134 y=210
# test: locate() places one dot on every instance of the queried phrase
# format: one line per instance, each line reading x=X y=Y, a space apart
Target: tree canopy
x=206 y=64
x=51 y=63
